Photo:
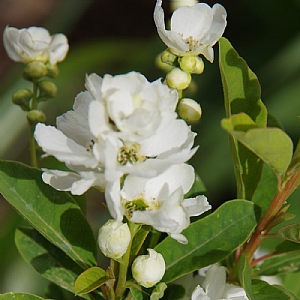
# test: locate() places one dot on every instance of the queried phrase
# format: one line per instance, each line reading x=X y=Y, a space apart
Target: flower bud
x=189 y=110
x=191 y=64
x=52 y=70
x=147 y=270
x=168 y=58
x=47 y=89
x=114 y=238
x=178 y=79
x=35 y=116
x=22 y=98
x=34 y=70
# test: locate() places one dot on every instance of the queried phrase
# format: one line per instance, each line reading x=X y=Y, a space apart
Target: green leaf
x=266 y=189
x=272 y=145
x=19 y=296
x=47 y=259
x=241 y=94
x=240 y=85
x=90 y=280
x=244 y=276
x=158 y=291
x=286 y=259
x=264 y=291
x=174 y=292
x=289 y=232
x=54 y=214
x=210 y=239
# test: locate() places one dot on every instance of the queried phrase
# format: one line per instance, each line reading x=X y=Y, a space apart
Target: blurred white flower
x=34 y=44
x=114 y=238
x=159 y=201
x=214 y=287
x=194 y=29
x=148 y=270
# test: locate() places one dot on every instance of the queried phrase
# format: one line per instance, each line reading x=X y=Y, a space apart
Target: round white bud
x=178 y=79
x=189 y=110
x=114 y=238
x=148 y=270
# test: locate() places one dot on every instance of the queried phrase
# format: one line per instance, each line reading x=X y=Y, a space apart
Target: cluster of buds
x=40 y=53
x=185 y=42
x=114 y=239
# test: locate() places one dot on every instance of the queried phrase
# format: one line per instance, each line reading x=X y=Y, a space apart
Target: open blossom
x=214 y=287
x=159 y=201
x=194 y=29
x=120 y=125
x=34 y=44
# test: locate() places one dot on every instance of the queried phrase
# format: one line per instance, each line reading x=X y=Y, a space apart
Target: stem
x=262 y=228
x=32 y=147
x=32 y=144
x=123 y=267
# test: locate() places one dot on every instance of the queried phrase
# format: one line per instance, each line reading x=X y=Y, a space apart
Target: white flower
x=144 y=136
x=120 y=125
x=147 y=270
x=159 y=201
x=114 y=238
x=34 y=44
x=194 y=29
x=214 y=287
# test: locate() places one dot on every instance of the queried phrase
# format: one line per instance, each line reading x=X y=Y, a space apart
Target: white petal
x=131 y=82
x=214 y=282
x=55 y=143
x=113 y=200
x=196 y=206
x=39 y=34
x=11 y=44
x=67 y=181
x=172 y=39
x=171 y=133
x=199 y=19
x=218 y=25
x=98 y=119
x=93 y=84
x=59 y=48
x=74 y=124
x=199 y=294
x=232 y=291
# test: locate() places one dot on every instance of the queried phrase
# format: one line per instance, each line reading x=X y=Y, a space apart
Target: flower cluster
x=124 y=136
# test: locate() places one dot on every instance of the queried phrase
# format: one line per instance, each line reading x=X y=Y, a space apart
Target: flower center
x=129 y=154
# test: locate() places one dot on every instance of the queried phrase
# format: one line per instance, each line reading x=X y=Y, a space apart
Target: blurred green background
x=118 y=36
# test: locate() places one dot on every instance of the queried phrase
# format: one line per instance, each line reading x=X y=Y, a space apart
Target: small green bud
x=22 y=98
x=35 y=116
x=52 y=70
x=191 y=64
x=34 y=70
x=168 y=58
x=47 y=90
x=189 y=110
x=178 y=79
